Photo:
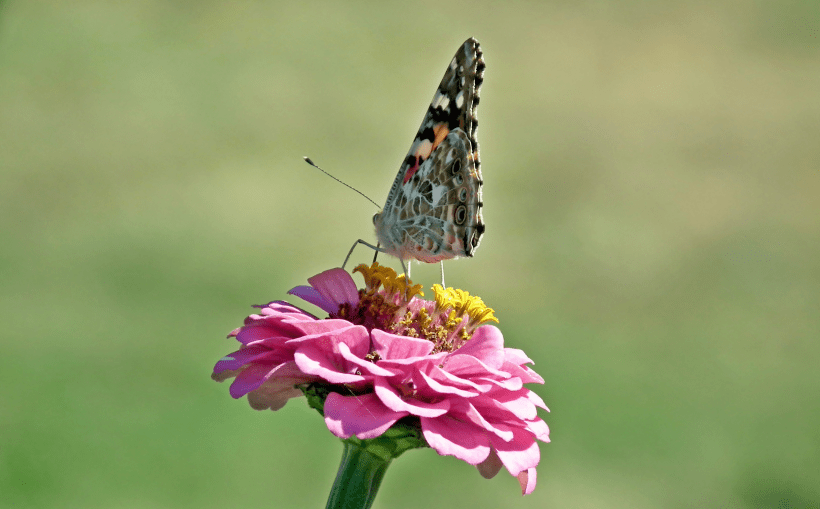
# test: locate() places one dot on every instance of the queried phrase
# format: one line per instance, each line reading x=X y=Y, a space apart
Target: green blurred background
x=652 y=177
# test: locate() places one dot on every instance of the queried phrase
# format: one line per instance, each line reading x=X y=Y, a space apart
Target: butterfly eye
x=461 y=215
x=376 y=217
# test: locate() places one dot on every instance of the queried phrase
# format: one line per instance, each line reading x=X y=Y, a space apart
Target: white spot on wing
x=438 y=193
x=443 y=101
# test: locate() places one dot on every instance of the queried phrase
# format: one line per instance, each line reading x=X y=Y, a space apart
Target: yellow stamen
x=448 y=323
x=377 y=275
x=461 y=303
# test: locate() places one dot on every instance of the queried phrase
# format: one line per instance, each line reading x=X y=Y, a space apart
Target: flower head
x=385 y=355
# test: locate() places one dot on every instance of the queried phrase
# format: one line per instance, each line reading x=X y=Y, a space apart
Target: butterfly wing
x=433 y=210
x=437 y=215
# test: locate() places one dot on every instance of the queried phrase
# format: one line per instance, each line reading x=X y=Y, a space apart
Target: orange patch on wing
x=424 y=149
x=441 y=131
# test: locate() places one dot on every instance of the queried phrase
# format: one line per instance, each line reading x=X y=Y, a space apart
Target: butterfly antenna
x=307 y=160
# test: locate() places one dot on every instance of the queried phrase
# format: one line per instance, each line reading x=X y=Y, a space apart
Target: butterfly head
x=385 y=234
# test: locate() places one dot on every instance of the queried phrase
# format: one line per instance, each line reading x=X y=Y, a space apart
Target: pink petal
x=540 y=429
x=336 y=285
x=279 y=315
x=518 y=454
x=527 y=375
x=252 y=377
x=392 y=400
x=510 y=384
x=493 y=411
x=467 y=366
x=450 y=437
x=312 y=295
x=355 y=337
x=486 y=345
x=448 y=378
x=320 y=355
x=224 y=375
x=315 y=361
x=516 y=402
x=260 y=331
x=537 y=401
x=330 y=325
x=363 y=416
x=280 y=307
x=517 y=356
x=390 y=346
x=527 y=479
x=476 y=418
x=434 y=387
x=249 y=379
x=239 y=358
x=273 y=394
x=413 y=363
x=365 y=366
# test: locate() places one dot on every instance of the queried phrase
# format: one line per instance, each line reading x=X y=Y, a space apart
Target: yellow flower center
x=387 y=302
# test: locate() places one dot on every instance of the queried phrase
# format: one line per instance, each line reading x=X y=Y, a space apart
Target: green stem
x=358 y=479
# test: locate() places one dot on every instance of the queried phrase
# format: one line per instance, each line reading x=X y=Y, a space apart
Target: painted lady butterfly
x=433 y=210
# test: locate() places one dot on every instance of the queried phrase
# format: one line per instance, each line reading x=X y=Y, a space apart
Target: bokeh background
x=652 y=177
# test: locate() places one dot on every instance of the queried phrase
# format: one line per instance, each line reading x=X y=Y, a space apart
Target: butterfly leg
x=360 y=241
x=406 y=276
x=442 y=274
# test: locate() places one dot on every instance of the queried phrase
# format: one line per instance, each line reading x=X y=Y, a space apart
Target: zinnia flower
x=385 y=355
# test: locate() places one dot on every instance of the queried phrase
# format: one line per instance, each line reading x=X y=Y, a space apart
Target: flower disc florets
x=389 y=303
x=386 y=355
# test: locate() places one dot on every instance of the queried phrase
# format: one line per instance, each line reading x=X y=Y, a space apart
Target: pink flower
x=387 y=358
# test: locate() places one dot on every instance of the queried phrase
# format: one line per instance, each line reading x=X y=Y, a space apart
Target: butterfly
x=433 y=210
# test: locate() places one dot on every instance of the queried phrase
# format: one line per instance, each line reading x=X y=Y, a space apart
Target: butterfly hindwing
x=439 y=214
